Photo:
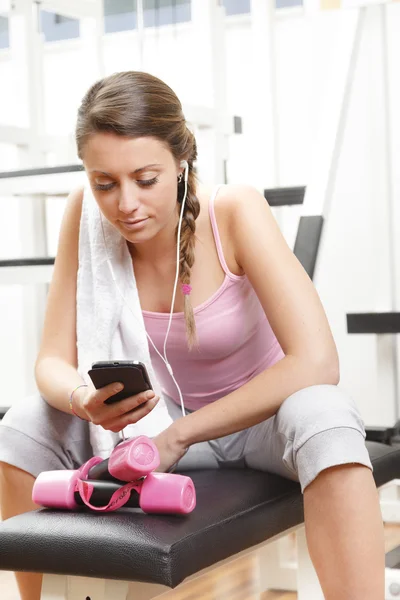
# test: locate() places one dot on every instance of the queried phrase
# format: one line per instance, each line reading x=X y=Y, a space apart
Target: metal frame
x=73 y=9
x=22 y=136
x=50 y=184
x=26 y=275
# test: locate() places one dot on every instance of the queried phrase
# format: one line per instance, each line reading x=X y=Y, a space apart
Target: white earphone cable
x=174 y=293
x=163 y=358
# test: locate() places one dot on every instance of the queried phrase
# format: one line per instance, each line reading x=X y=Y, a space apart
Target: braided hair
x=136 y=104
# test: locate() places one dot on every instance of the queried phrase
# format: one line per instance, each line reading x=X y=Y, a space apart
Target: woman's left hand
x=169 y=448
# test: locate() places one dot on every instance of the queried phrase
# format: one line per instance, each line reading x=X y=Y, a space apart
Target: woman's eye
x=146 y=182
x=104 y=187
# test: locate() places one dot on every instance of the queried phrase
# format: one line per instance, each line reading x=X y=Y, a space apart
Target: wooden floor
x=237 y=581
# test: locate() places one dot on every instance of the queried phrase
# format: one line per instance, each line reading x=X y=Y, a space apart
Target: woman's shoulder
x=228 y=194
x=229 y=200
x=73 y=212
x=75 y=198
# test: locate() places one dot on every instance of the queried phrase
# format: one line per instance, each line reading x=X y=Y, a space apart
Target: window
x=4 y=37
x=119 y=15
x=237 y=7
x=56 y=27
x=166 y=12
x=288 y=3
x=241 y=7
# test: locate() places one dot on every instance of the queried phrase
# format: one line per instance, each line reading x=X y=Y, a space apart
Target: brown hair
x=137 y=104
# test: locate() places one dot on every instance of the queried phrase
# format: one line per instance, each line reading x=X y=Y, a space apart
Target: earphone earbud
x=185 y=165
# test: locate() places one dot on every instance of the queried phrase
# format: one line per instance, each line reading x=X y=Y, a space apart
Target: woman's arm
x=56 y=365
x=296 y=316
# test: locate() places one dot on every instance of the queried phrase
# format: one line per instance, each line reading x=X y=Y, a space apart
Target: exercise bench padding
x=236 y=510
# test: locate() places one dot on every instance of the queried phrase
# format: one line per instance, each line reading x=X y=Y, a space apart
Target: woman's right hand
x=89 y=404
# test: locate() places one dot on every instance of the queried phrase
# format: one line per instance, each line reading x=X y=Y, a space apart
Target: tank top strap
x=216 y=232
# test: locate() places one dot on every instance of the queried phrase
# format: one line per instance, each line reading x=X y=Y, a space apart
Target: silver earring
x=180 y=177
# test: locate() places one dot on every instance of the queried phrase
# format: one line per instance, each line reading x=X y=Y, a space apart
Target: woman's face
x=134 y=181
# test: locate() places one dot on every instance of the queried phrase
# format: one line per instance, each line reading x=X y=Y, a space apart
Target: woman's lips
x=135 y=224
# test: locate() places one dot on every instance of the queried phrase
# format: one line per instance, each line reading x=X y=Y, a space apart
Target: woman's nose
x=129 y=199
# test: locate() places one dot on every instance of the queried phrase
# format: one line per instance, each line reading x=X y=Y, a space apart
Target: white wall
x=353 y=273
x=393 y=24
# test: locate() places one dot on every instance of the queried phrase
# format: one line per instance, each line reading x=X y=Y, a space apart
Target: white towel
x=99 y=310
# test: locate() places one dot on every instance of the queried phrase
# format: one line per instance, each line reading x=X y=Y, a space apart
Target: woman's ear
x=185 y=165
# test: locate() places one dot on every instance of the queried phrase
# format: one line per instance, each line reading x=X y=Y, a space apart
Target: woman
x=257 y=365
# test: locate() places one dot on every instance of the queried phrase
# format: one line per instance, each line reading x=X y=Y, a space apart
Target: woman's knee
x=16 y=488
x=15 y=483
x=12 y=475
x=323 y=428
x=316 y=409
x=37 y=437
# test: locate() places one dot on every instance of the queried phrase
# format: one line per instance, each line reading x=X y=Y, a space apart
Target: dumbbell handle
x=100 y=472
x=102 y=492
x=162 y=493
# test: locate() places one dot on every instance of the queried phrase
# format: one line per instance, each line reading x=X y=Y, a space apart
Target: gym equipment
x=57 y=489
x=160 y=493
x=237 y=511
x=101 y=484
x=382 y=324
x=252 y=507
x=130 y=460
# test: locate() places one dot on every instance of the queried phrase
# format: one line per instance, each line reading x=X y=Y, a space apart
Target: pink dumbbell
x=130 y=460
x=162 y=493
x=59 y=489
x=167 y=493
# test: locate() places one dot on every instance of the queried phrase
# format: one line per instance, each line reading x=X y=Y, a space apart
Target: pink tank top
x=235 y=340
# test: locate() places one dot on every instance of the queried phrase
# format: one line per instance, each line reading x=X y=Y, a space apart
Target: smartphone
x=132 y=374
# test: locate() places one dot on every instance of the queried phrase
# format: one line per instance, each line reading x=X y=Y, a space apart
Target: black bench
x=237 y=511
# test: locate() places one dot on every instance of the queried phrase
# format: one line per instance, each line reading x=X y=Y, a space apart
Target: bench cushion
x=236 y=509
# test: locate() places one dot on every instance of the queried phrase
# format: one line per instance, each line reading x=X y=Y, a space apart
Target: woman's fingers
x=131 y=403
x=133 y=416
x=101 y=413
x=104 y=393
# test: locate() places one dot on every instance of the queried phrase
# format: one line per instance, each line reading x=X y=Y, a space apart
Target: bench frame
x=276 y=572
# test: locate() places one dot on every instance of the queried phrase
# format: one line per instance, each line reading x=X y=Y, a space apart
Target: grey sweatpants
x=315 y=428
